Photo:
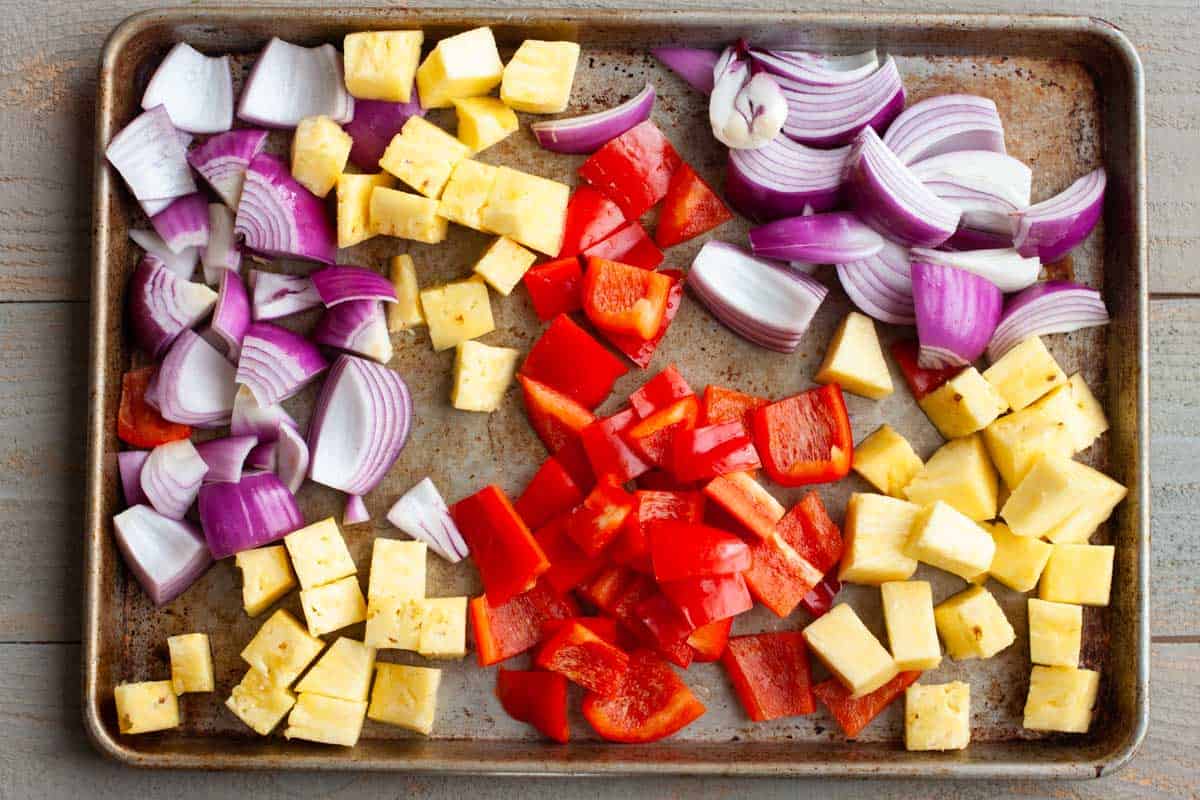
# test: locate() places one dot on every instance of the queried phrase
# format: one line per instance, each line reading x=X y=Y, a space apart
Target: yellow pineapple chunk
x=962 y=405
x=851 y=652
x=538 y=78
x=344 y=671
x=1019 y=560
x=266 y=577
x=1078 y=573
x=973 y=625
x=397 y=569
x=456 y=312
x=381 y=65
x=887 y=461
x=1102 y=494
x=328 y=720
x=481 y=376
x=876 y=529
x=191 y=663
x=405 y=313
x=855 y=359
x=333 y=606
x=319 y=554
x=1018 y=441
x=1055 y=633
x=529 y=209
x=1045 y=497
x=947 y=539
x=937 y=717
x=405 y=696
x=444 y=628
x=465 y=65
x=394 y=623
x=912 y=634
x=407 y=216
x=259 y=703
x=1025 y=373
x=354 y=206
x=1061 y=699
x=960 y=474
x=483 y=121
x=281 y=649
x=423 y=155
x=467 y=192
x=503 y=264
x=146 y=707
x=1075 y=405
x=319 y=152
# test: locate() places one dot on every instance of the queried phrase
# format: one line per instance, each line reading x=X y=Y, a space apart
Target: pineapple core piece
x=973 y=625
x=1061 y=699
x=465 y=65
x=146 y=707
x=481 y=375
x=887 y=461
x=1025 y=373
x=483 y=121
x=960 y=474
x=456 y=312
x=191 y=663
x=344 y=671
x=423 y=155
x=503 y=264
x=405 y=313
x=1055 y=633
x=947 y=539
x=855 y=359
x=937 y=717
x=281 y=649
x=850 y=651
x=319 y=554
x=266 y=577
x=407 y=216
x=381 y=65
x=354 y=206
x=962 y=405
x=538 y=78
x=912 y=633
x=320 y=149
x=405 y=696
x=877 y=529
x=329 y=720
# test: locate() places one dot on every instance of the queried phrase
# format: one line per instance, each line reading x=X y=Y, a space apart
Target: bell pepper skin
x=569 y=360
x=583 y=658
x=805 y=438
x=538 y=698
x=619 y=592
x=920 y=381
x=690 y=208
x=659 y=480
x=574 y=460
x=138 y=424
x=595 y=523
x=820 y=599
x=650 y=703
x=812 y=534
x=591 y=217
x=713 y=450
x=639 y=351
x=653 y=438
x=555 y=287
x=688 y=550
x=632 y=547
x=623 y=299
x=745 y=499
x=551 y=492
x=508 y=558
x=609 y=454
x=569 y=566
x=604 y=627
x=668 y=625
x=629 y=244
x=555 y=417
x=508 y=629
x=709 y=641
x=727 y=405
x=770 y=674
x=779 y=578
x=662 y=390
x=709 y=598
x=634 y=169
x=854 y=714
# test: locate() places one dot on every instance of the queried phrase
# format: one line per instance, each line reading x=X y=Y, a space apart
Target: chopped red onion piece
x=341 y=283
x=944 y=124
x=585 y=134
x=256 y=510
x=225 y=457
x=375 y=124
x=264 y=456
x=422 y=514
x=278 y=217
x=694 y=65
x=171 y=477
x=746 y=110
x=831 y=238
x=221 y=253
x=195 y=383
x=277 y=295
x=290 y=82
x=356 y=511
x=1047 y=307
x=152 y=158
x=129 y=465
x=231 y=316
x=957 y=312
x=783 y=177
x=182 y=263
x=986 y=186
x=196 y=90
x=1054 y=227
x=1006 y=268
x=162 y=305
x=261 y=422
x=184 y=223
x=276 y=363
x=165 y=555
x=819 y=69
x=291 y=458
x=358 y=327
x=825 y=116
x=222 y=161
x=881 y=285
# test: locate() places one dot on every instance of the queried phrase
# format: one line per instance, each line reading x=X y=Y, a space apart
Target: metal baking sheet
x=1070 y=93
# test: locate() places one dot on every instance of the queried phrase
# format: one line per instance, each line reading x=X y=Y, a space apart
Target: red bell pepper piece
x=726 y=405
x=604 y=627
x=574 y=460
x=504 y=551
x=555 y=417
x=633 y=169
x=703 y=453
x=709 y=598
x=649 y=703
x=853 y=714
x=555 y=287
x=508 y=629
x=805 y=438
x=595 y=523
x=551 y=491
x=632 y=547
x=659 y=480
x=668 y=625
x=584 y=658
x=660 y=391
x=569 y=566
x=568 y=359
x=779 y=578
x=690 y=208
x=747 y=501
x=591 y=217
x=920 y=381
x=689 y=550
x=619 y=592
x=619 y=298
x=709 y=640
x=820 y=599
x=607 y=451
x=538 y=698
x=641 y=351
x=606 y=589
x=653 y=438
x=769 y=672
x=629 y=244
x=812 y=534
x=138 y=424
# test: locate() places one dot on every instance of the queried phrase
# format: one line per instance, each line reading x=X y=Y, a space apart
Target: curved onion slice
x=291 y=458
x=290 y=82
x=783 y=177
x=1047 y=307
x=957 y=312
x=171 y=477
x=986 y=186
x=195 y=383
x=746 y=110
x=819 y=69
x=221 y=253
x=182 y=263
x=264 y=456
x=341 y=283
x=129 y=466
x=889 y=198
x=359 y=425
x=824 y=116
x=944 y=124
x=278 y=295
x=694 y=65
x=762 y=301
x=162 y=305
x=225 y=457
x=835 y=237
x=1054 y=227
x=881 y=285
x=222 y=161
x=1006 y=268
x=356 y=511
x=422 y=514
x=585 y=134
x=184 y=223
x=165 y=555
x=279 y=217
x=358 y=327
x=256 y=510
x=196 y=90
x=374 y=125
x=261 y=422
x=276 y=363
x=152 y=159
x=231 y=316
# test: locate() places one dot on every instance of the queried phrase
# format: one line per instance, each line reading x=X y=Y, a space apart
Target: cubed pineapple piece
x=1018 y=441
x=344 y=671
x=328 y=720
x=444 y=628
x=394 y=623
x=1019 y=560
x=354 y=206
x=319 y=554
x=1025 y=373
x=405 y=313
x=483 y=121
x=266 y=577
x=405 y=696
x=937 y=717
x=855 y=359
x=423 y=155
x=406 y=216
x=961 y=474
x=397 y=569
x=887 y=461
x=381 y=65
x=259 y=703
x=281 y=649
x=973 y=625
x=146 y=707
x=467 y=192
x=946 y=538
x=1102 y=494
x=1061 y=699
x=1055 y=633
x=465 y=65
x=503 y=264
x=538 y=78
x=1046 y=496
x=320 y=149
x=456 y=312
x=912 y=634
x=529 y=209
x=191 y=663
x=962 y=405
x=1075 y=405
x=482 y=374
x=333 y=606
x=851 y=652
x=1078 y=573
x=876 y=530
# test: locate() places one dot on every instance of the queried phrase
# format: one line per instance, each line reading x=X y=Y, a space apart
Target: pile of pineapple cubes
x=1018 y=425
x=154 y=705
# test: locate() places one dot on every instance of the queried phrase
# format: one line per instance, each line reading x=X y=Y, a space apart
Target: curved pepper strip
x=649 y=703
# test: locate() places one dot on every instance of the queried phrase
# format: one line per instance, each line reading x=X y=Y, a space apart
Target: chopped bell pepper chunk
x=584 y=658
x=536 y=697
x=690 y=208
x=629 y=244
x=714 y=450
x=569 y=566
x=138 y=424
x=632 y=547
x=574 y=460
x=595 y=523
x=569 y=360
x=820 y=599
x=709 y=641
x=634 y=169
x=591 y=217
x=660 y=391
x=669 y=626
x=747 y=502
x=604 y=627
x=555 y=287
x=619 y=592
x=510 y=628
x=805 y=438
x=709 y=598
x=779 y=577
x=508 y=558
x=610 y=455
x=726 y=405
x=770 y=673
x=623 y=299
x=555 y=417
x=653 y=438
x=812 y=534
x=689 y=550
x=551 y=491
x=640 y=351
x=649 y=703
x=855 y=713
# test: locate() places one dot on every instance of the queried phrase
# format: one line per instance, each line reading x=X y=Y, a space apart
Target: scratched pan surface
x=1069 y=91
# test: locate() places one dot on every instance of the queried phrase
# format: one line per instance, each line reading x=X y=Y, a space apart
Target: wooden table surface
x=48 y=63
